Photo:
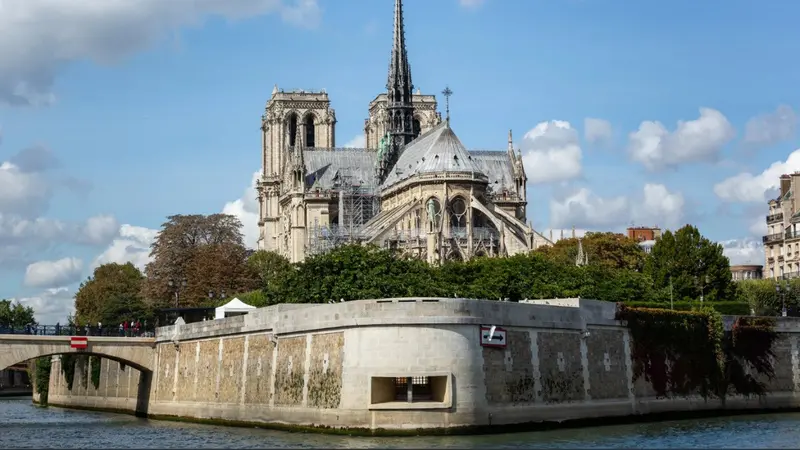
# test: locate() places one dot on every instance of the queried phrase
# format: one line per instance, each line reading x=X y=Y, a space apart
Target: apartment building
x=782 y=242
x=645 y=236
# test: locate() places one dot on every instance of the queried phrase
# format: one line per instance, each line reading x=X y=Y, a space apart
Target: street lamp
x=177 y=286
x=782 y=293
x=211 y=294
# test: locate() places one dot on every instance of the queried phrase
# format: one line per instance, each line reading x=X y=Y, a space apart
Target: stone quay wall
x=335 y=365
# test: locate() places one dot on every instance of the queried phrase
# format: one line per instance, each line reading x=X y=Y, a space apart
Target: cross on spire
x=447 y=93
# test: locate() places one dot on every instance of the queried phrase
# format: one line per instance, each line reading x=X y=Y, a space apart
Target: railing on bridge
x=66 y=330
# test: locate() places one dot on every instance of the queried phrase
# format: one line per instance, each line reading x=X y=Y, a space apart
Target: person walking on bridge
x=58 y=328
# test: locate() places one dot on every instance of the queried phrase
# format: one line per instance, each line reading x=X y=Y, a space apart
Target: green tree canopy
x=690 y=265
x=111 y=295
x=14 y=314
x=269 y=267
x=610 y=250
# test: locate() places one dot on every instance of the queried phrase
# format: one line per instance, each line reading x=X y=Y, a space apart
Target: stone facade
x=782 y=241
x=431 y=198
x=340 y=365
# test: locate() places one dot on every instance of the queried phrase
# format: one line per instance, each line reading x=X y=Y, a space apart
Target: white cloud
x=359 y=141
x=746 y=187
x=131 y=245
x=701 y=139
x=50 y=274
x=744 y=251
x=22 y=192
x=38 y=38
x=471 y=4
x=656 y=206
x=771 y=128
x=551 y=152
x=51 y=306
x=597 y=131
x=758 y=227
x=247 y=210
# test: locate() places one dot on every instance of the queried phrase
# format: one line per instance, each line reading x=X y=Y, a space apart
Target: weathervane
x=447 y=93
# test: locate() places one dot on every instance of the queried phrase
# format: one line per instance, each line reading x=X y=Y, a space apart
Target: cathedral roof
x=326 y=167
x=437 y=151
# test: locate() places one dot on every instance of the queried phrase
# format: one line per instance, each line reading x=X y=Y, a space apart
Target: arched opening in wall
x=416 y=127
x=458 y=217
x=483 y=229
x=433 y=214
x=291 y=128
x=311 y=131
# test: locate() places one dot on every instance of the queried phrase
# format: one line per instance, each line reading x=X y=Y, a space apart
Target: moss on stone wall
x=324 y=389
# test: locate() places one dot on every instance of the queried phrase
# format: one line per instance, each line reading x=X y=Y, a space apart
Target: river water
x=24 y=425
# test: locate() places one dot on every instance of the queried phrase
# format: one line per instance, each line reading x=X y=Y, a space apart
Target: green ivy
x=68 y=369
x=736 y=308
x=95 y=364
x=688 y=352
x=39 y=372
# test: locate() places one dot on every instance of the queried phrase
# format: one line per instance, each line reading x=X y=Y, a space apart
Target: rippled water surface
x=26 y=426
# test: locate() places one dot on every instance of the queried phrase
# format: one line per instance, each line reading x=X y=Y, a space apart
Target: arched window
x=291 y=128
x=417 y=127
x=310 y=130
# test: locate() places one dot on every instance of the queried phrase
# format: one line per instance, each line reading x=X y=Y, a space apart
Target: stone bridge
x=138 y=353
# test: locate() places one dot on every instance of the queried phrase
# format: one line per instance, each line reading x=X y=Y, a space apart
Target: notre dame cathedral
x=415 y=188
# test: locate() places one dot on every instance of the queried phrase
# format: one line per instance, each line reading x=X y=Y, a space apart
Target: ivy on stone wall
x=684 y=353
x=68 y=369
x=95 y=364
x=39 y=373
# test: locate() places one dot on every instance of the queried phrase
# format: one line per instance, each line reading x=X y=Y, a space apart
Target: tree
x=269 y=267
x=205 y=252
x=610 y=250
x=111 y=295
x=691 y=266
x=355 y=272
x=15 y=315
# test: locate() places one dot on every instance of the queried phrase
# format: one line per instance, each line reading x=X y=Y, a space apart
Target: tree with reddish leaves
x=195 y=257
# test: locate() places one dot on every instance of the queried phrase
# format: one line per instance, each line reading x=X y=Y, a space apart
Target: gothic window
x=310 y=130
x=417 y=128
x=291 y=128
x=458 y=213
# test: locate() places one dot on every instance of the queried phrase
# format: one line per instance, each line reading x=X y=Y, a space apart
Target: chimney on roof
x=786 y=183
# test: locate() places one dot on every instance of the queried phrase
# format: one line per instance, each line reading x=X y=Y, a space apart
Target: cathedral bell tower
x=399 y=106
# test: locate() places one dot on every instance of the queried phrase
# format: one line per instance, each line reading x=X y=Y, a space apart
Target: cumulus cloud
x=744 y=251
x=551 y=152
x=746 y=187
x=246 y=209
x=359 y=141
x=51 y=306
x=656 y=205
x=697 y=140
x=39 y=38
x=132 y=244
x=50 y=274
x=772 y=128
x=597 y=131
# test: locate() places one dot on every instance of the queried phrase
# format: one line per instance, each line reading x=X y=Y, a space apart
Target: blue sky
x=117 y=114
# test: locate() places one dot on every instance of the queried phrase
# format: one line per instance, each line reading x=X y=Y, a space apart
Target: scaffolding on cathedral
x=358 y=203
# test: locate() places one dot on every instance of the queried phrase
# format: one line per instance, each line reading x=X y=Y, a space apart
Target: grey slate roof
x=438 y=150
x=497 y=166
x=322 y=166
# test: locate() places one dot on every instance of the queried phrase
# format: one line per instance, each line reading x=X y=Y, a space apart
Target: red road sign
x=79 y=342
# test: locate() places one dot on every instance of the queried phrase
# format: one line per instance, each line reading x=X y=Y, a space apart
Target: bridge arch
x=138 y=353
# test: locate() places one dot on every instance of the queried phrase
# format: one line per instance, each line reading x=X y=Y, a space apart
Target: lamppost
x=177 y=286
x=782 y=293
x=221 y=295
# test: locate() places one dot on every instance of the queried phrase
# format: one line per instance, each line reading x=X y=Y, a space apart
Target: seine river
x=27 y=426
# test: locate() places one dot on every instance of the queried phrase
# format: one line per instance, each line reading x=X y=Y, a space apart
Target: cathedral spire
x=399 y=107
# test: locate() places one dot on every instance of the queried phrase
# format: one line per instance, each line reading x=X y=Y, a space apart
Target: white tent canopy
x=234 y=307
